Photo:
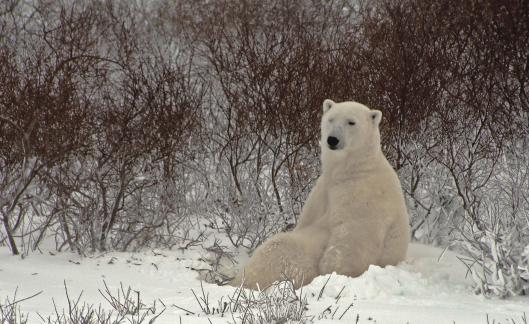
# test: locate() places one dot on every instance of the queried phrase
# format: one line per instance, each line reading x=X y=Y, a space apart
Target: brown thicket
x=94 y=111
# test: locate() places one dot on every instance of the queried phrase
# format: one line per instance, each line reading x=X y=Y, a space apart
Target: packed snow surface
x=430 y=287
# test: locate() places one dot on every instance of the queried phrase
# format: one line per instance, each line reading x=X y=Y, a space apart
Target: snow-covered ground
x=424 y=289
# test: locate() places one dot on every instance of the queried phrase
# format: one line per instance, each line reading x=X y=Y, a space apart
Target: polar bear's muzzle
x=334 y=143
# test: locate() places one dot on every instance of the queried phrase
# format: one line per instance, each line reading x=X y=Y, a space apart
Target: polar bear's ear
x=376 y=116
x=327 y=104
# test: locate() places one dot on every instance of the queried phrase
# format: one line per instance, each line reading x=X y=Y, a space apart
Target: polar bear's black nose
x=332 y=141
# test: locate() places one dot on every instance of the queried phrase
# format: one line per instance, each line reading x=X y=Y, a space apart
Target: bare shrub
x=126 y=304
x=10 y=312
x=279 y=303
x=42 y=119
x=96 y=129
x=127 y=307
x=496 y=245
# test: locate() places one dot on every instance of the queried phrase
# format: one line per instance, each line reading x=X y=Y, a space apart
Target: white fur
x=355 y=215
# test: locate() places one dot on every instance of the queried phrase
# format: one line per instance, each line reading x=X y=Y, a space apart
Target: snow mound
x=375 y=284
x=426 y=272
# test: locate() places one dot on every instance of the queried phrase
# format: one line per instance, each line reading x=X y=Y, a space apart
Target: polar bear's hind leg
x=284 y=256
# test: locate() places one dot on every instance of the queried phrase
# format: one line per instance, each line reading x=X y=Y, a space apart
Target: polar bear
x=355 y=215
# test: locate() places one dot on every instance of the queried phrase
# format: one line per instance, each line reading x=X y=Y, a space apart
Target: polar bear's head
x=349 y=127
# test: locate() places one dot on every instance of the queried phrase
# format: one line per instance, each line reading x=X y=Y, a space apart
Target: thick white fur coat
x=355 y=215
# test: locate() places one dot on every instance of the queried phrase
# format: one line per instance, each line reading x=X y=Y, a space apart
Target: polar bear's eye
x=352 y=123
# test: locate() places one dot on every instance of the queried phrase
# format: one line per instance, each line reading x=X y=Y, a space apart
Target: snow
x=430 y=287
